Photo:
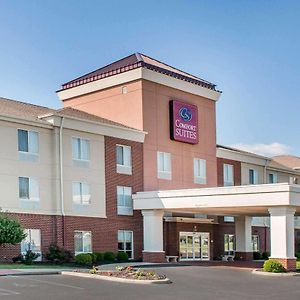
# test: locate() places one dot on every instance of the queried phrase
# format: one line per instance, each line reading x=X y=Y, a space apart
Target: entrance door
x=194 y=245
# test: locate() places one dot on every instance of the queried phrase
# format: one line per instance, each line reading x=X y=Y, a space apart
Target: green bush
x=84 y=259
x=58 y=255
x=265 y=255
x=99 y=257
x=273 y=266
x=29 y=257
x=94 y=258
x=122 y=256
x=256 y=255
x=109 y=256
x=297 y=255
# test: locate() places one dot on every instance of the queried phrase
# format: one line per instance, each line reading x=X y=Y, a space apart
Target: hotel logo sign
x=183 y=122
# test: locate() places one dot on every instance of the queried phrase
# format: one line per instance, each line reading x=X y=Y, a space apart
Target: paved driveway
x=189 y=282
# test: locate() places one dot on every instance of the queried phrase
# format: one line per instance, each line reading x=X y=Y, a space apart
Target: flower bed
x=129 y=273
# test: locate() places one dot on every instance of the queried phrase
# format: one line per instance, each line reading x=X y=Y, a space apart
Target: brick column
x=153 y=236
x=283 y=236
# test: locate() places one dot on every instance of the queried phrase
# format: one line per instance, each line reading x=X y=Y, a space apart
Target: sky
x=250 y=49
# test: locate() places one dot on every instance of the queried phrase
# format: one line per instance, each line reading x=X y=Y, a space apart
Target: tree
x=11 y=231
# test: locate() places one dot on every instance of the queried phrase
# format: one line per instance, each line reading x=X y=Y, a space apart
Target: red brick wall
x=104 y=230
x=236 y=168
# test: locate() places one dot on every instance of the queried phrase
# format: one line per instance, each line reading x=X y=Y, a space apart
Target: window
x=80 y=149
x=32 y=242
x=124 y=159
x=199 y=171
x=255 y=243
x=164 y=165
x=83 y=242
x=28 y=145
x=229 y=219
x=81 y=193
x=252 y=176
x=229 y=244
x=273 y=178
x=125 y=242
x=28 y=189
x=293 y=180
x=28 y=141
x=124 y=196
x=228 y=175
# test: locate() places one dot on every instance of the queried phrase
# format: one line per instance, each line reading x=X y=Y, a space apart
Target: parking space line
x=55 y=283
x=4 y=292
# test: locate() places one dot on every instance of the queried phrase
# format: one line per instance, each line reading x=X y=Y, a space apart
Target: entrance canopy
x=250 y=200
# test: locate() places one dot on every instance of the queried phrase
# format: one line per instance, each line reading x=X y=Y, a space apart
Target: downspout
x=61 y=179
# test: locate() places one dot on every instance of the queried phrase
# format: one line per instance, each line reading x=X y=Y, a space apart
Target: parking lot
x=189 y=282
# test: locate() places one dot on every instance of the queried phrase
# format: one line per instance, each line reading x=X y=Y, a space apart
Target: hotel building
x=130 y=163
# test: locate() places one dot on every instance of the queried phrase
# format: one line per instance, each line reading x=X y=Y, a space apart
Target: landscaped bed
x=123 y=274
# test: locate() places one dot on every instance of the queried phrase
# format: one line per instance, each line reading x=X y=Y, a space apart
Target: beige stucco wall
x=245 y=173
x=46 y=171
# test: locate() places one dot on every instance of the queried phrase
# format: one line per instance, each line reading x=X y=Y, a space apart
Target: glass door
x=194 y=245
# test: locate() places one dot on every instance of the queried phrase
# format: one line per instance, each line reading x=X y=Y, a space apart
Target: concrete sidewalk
x=21 y=272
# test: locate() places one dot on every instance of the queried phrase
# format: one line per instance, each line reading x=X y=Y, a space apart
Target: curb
x=31 y=273
x=263 y=273
x=116 y=279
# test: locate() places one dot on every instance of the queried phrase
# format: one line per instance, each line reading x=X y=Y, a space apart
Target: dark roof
x=134 y=61
x=32 y=112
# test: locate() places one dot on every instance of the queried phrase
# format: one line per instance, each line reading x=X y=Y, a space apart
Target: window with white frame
x=125 y=242
x=164 y=169
x=229 y=219
x=80 y=149
x=273 y=178
x=28 y=145
x=124 y=164
x=199 y=171
x=124 y=197
x=28 y=189
x=82 y=242
x=229 y=244
x=253 y=179
x=255 y=243
x=32 y=242
x=228 y=175
x=81 y=193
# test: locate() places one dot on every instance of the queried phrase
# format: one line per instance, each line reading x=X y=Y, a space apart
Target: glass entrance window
x=194 y=245
x=255 y=243
x=229 y=244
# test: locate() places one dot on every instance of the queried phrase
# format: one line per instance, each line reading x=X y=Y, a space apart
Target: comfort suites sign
x=183 y=122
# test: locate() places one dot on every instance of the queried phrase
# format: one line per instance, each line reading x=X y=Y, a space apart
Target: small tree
x=11 y=231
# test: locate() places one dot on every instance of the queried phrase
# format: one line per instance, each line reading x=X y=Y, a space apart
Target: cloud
x=270 y=150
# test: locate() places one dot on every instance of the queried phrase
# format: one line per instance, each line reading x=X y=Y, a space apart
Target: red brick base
x=154 y=257
x=288 y=263
x=244 y=255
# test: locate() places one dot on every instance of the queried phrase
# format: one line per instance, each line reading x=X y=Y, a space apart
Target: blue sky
x=250 y=49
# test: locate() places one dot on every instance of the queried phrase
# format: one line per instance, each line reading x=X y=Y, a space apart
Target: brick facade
x=104 y=230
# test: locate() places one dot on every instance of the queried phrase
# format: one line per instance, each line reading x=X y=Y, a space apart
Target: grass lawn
x=33 y=266
x=298 y=264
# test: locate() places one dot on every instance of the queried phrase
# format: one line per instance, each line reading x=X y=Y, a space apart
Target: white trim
x=136 y=74
x=132 y=242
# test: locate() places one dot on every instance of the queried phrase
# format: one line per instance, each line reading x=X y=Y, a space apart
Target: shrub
x=29 y=257
x=109 y=256
x=122 y=256
x=265 y=255
x=84 y=259
x=99 y=257
x=94 y=258
x=58 y=255
x=273 y=266
x=256 y=255
x=298 y=255
x=18 y=258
